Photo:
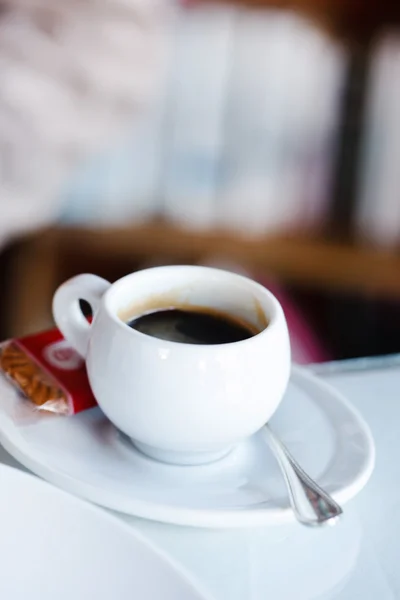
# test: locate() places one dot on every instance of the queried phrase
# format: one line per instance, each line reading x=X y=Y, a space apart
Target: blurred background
x=262 y=137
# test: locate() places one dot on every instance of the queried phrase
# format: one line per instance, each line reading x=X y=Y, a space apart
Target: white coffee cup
x=179 y=403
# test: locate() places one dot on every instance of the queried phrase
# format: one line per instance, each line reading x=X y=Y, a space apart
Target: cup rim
x=273 y=317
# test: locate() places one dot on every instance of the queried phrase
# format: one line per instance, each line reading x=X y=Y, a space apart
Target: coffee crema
x=193 y=326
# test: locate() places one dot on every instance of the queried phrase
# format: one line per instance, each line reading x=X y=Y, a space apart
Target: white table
x=357 y=559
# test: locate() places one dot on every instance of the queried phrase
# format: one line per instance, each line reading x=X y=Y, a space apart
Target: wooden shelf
x=311 y=261
x=44 y=260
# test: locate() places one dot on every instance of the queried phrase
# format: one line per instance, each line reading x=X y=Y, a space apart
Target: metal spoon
x=311 y=505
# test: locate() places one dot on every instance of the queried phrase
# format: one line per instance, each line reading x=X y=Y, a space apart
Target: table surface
x=356 y=559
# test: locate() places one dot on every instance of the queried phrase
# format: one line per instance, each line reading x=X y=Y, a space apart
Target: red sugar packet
x=46 y=370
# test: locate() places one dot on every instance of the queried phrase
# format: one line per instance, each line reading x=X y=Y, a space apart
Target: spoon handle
x=311 y=505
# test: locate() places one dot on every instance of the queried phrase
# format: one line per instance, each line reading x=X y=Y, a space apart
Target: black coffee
x=192 y=326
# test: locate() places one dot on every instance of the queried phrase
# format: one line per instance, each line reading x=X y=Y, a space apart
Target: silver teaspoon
x=311 y=505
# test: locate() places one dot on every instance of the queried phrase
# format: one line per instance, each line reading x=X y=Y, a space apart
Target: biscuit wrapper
x=47 y=372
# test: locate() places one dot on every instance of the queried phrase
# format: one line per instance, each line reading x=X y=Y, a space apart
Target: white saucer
x=87 y=456
x=53 y=545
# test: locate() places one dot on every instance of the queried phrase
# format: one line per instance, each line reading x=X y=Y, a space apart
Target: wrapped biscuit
x=46 y=371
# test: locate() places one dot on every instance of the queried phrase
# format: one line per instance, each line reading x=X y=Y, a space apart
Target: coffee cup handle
x=67 y=313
